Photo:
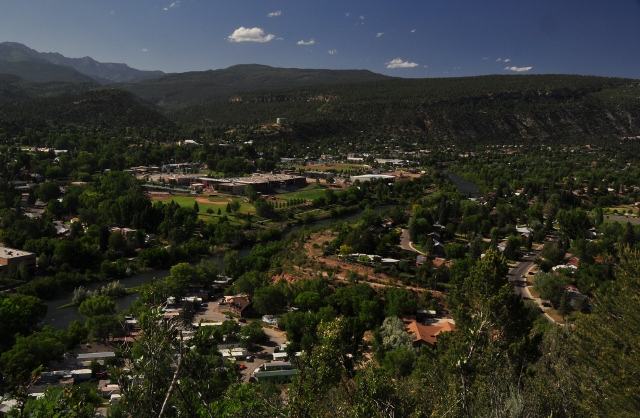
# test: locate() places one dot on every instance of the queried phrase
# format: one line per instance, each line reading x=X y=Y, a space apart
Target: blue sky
x=407 y=38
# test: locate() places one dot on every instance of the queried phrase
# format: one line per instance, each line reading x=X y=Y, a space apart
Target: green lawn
x=312 y=191
x=188 y=201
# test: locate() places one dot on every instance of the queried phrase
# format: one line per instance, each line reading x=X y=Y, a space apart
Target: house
x=237 y=353
x=109 y=390
x=241 y=305
x=276 y=371
x=270 y=319
x=420 y=260
x=438 y=261
x=428 y=334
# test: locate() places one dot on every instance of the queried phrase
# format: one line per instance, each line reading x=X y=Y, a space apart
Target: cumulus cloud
x=413 y=31
x=499 y=59
x=274 y=14
x=309 y=42
x=361 y=17
x=379 y=34
x=332 y=51
x=507 y=60
x=243 y=34
x=145 y=50
x=518 y=69
x=398 y=63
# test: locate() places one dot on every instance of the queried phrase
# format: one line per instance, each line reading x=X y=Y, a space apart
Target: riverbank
x=463 y=185
x=61 y=311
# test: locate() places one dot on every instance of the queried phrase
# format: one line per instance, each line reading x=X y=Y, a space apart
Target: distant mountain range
x=18 y=59
x=179 y=90
x=47 y=89
x=168 y=91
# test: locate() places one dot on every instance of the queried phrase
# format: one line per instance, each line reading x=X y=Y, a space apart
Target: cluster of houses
x=73 y=369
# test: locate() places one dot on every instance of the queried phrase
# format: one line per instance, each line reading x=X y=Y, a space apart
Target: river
x=61 y=318
x=464 y=186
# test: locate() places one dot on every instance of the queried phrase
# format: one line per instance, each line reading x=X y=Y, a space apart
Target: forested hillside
x=30 y=105
x=179 y=90
x=489 y=108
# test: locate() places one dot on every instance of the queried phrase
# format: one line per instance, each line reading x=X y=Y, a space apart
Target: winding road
x=517 y=276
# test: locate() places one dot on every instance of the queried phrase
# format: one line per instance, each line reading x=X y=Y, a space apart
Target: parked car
x=228 y=316
x=244 y=321
x=249 y=359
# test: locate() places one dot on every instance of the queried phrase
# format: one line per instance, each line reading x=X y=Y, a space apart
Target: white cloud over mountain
x=243 y=34
x=398 y=63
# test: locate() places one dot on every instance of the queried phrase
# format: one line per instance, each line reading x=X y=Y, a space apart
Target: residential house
x=428 y=334
x=241 y=305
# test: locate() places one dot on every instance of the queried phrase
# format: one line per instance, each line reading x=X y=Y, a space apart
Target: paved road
x=520 y=284
x=519 y=274
x=405 y=242
x=621 y=219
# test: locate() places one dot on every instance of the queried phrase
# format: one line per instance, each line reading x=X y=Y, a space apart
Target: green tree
x=99 y=305
x=104 y=326
x=28 y=355
x=269 y=300
x=574 y=223
x=48 y=191
x=602 y=346
x=79 y=401
x=20 y=315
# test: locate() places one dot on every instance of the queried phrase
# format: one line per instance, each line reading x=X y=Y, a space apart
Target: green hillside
x=488 y=108
x=179 y=90
x=58 y=104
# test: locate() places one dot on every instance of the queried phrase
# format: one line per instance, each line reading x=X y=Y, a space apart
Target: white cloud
x=361 y=17
x=499 y=59
x=379 y=34
x=165 y=8
x=309 y=42
x=145 y=50
x=112 y=12
x=172 y=5
x=485 y=58
x=332 y=51
x=274 y=14
x=518 y=69
x=507 y=60
x=413 y=31
x=398 y=63
x=243 y=34
x=347 y=14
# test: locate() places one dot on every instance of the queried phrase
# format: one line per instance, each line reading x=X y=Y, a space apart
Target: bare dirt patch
x=158 y=195
x=208 y=202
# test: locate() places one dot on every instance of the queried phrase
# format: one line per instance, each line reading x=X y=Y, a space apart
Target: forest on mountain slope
x=477 y=109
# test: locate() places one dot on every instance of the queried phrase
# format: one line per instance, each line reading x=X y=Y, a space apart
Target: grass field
x=312 y=191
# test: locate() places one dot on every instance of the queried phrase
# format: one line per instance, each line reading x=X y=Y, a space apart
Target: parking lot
x=213 y=312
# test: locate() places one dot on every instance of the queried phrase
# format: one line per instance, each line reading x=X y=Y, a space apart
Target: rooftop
x=6 y=252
